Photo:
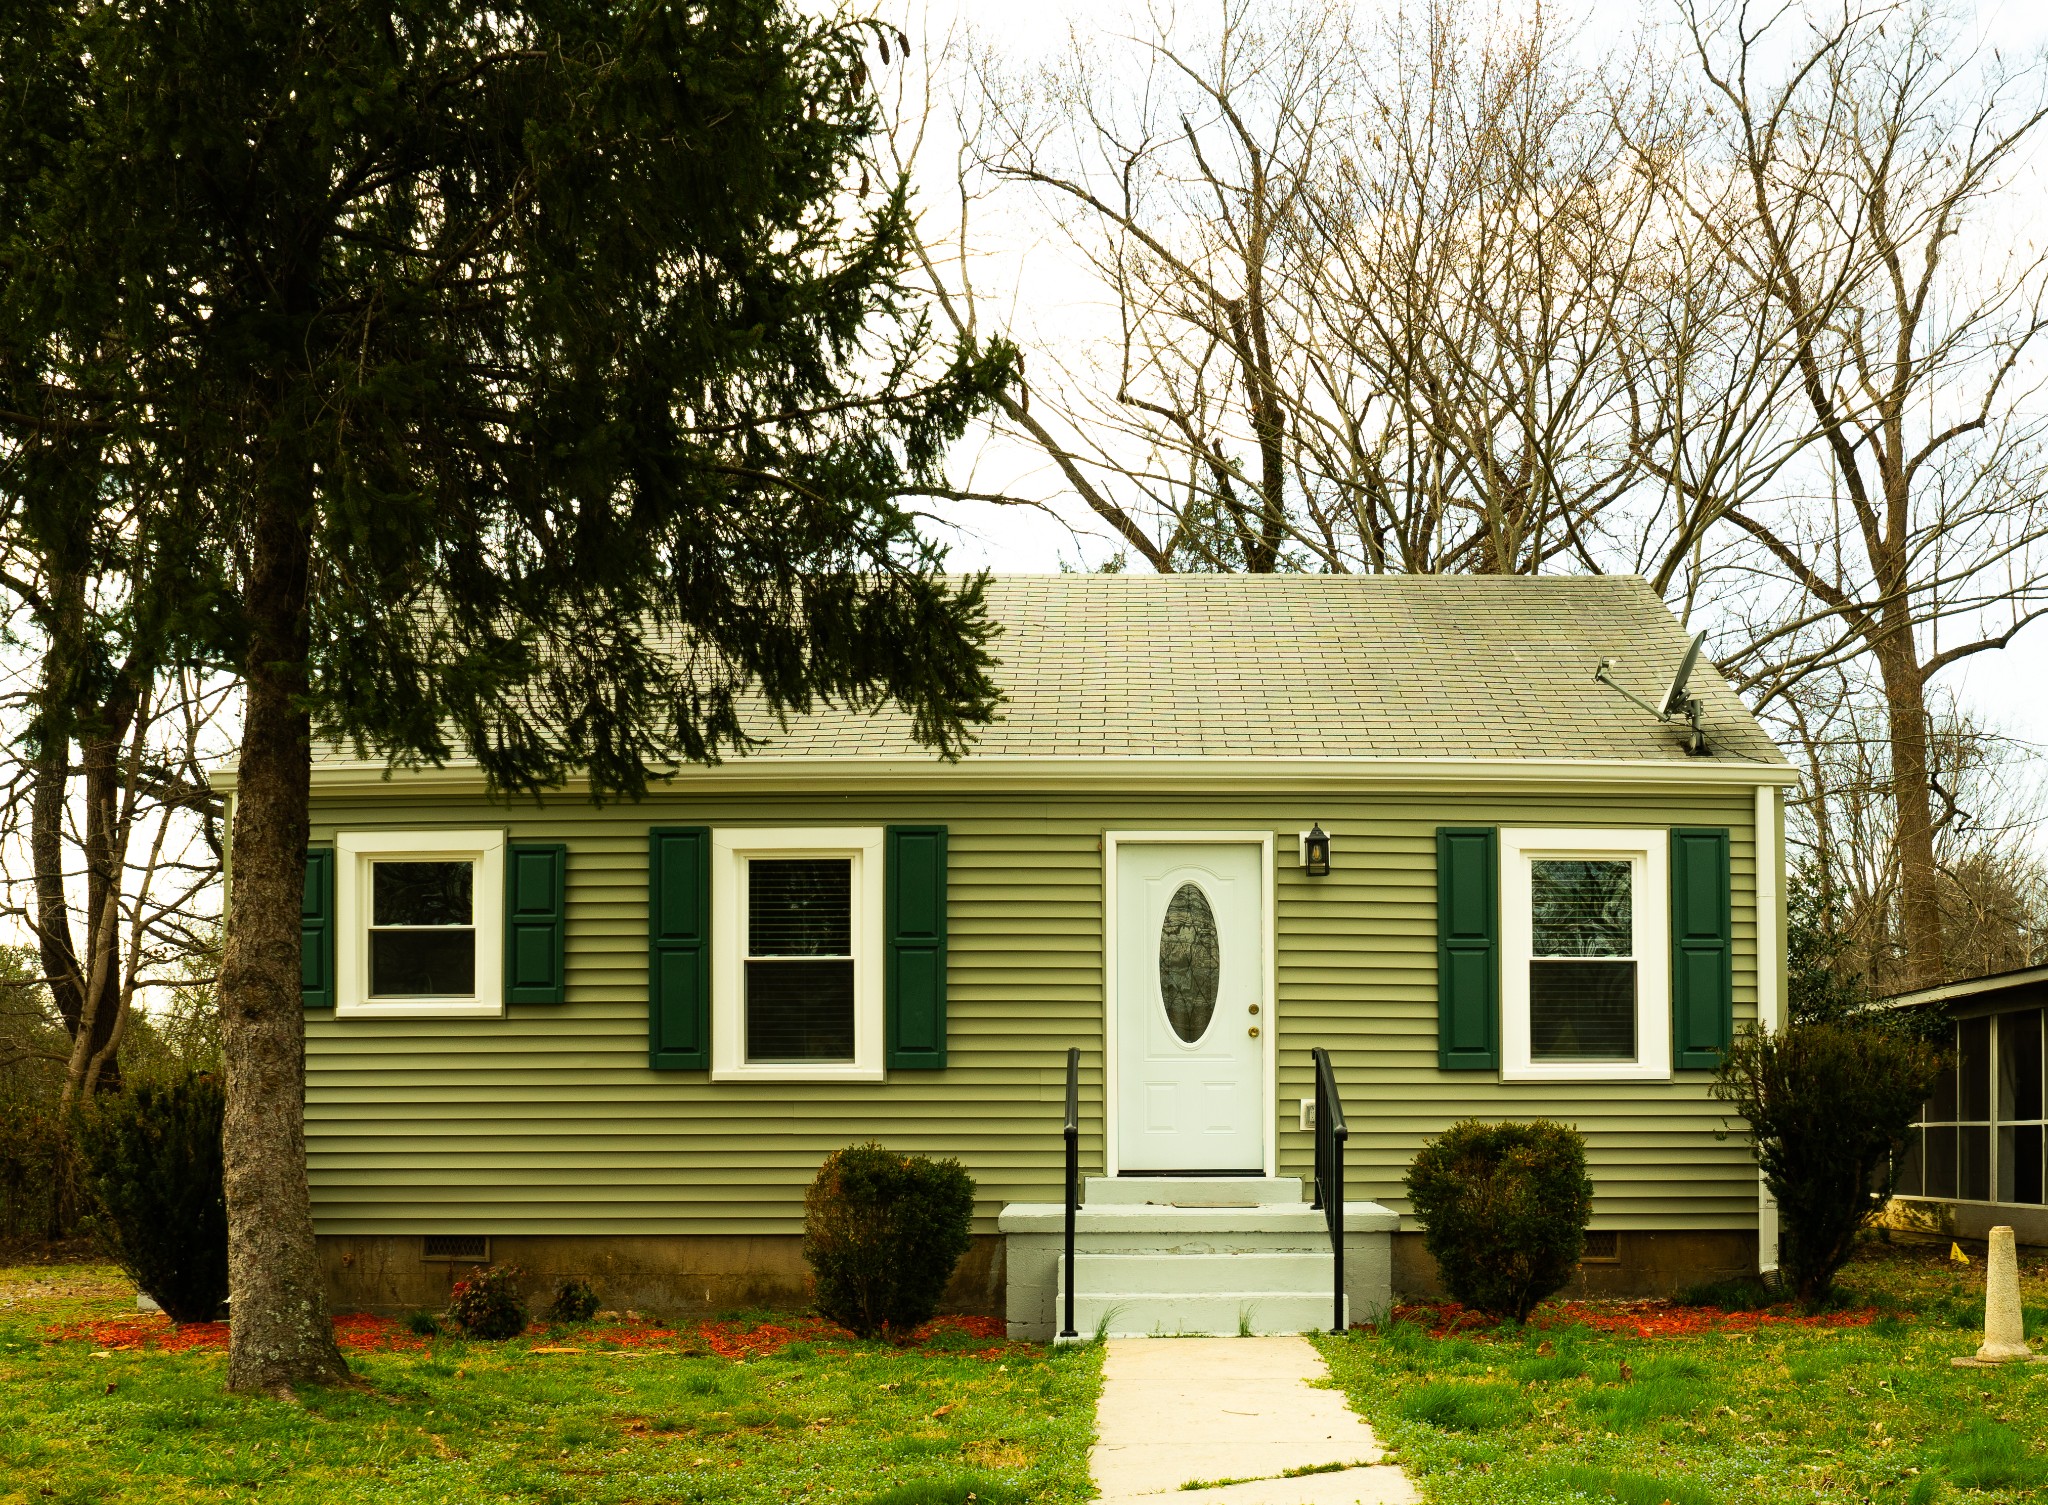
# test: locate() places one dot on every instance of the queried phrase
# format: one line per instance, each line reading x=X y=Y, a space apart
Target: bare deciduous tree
x=1861 y=167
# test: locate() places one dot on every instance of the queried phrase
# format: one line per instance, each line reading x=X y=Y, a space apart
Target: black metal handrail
x=1072 y=1131
x=1331 y=1132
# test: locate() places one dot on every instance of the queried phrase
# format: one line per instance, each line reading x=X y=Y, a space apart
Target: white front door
x=1191 y=1014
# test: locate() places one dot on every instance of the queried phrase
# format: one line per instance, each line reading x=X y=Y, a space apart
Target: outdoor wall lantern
x=1315 y=852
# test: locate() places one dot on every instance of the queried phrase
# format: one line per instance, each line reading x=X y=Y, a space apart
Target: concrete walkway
x=1235 y=1413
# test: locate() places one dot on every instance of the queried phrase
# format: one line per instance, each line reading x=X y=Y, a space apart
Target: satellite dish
x=1675 y=698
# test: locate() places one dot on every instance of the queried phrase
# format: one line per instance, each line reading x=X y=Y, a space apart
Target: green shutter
x=316 y=930
x=914 y=918
x=1467 y=948
x=679 y=948
x=535 y=922
x=1702 y=949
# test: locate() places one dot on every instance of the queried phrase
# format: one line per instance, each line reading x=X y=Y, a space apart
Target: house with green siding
x=617 y=1041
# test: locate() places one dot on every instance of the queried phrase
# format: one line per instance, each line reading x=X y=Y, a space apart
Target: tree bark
x=280 y=1335
x=86 y=1007
x=1905 y=694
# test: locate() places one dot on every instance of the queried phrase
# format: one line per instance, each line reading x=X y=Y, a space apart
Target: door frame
x=1268 y=974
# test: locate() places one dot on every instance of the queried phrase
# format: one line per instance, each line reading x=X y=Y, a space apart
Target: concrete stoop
x=1160 y=1256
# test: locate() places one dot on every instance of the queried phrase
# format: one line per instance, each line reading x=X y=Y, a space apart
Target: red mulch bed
x=1637 y=1319
x=367 y=1334
x=353 y=1333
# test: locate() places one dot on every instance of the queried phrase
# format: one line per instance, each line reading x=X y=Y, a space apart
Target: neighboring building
x=617 y=1040
x=1979 y=1153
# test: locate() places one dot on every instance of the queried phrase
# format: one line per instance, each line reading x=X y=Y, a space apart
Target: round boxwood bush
x=486 y=1303
x=151 y=1162
x=1503 y=1209
x=882 y=1234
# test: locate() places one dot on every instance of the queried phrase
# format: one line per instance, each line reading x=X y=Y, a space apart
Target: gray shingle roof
x=1323 y=666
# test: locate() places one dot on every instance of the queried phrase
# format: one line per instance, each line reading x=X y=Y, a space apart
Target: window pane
x=420 y=893
x=800 y=906
x=1973 y=1070
x=1582 y=1011
x=422 y=963
x=2027 y=1157
x=2019 y=1066
x=1910 y=1162
x=1941 y=1162
x=799 y=1010
x=1973 y=1163
x=1941 y=1108
x=1581 y=908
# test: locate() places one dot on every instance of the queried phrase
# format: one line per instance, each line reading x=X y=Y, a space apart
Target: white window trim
x=730 y=849
x=354 y=852
x=1650 y=894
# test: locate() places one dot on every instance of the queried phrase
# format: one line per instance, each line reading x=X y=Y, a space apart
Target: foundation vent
x=1602 y=1248
x=470 y=1246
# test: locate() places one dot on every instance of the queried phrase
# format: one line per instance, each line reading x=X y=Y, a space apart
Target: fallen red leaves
x=354 y=1333
x=361 y=1333
x=1642 y=1319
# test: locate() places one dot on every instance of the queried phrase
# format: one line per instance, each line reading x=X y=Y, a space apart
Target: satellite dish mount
x=1676 y=701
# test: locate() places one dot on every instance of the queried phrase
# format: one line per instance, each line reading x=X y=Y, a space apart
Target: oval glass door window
x=1188 y=969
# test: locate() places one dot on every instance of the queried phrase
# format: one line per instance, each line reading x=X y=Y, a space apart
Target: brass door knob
x=1253 y=1032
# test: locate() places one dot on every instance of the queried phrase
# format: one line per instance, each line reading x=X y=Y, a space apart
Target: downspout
x=1770 y=979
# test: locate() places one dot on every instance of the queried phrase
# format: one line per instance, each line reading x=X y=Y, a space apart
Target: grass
x=1779 y=1415
x=860 y=1423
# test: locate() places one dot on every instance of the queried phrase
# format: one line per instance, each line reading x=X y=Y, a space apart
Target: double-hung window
x=797 y=957
x=1585 y=964
x=420 y=921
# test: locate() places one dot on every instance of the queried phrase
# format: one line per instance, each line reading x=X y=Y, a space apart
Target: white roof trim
x=996 y=771
x=1969 y=987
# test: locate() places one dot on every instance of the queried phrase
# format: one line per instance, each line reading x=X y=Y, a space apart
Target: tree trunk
x=1913 y=804
x=280 y=1335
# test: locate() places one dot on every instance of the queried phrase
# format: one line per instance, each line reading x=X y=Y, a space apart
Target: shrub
x=882 y=1233
x=1828 y=1107
x=1503 y=1209
x=486 y=1303
x=574 y=1301
x=423 y=1325
x=150 y=1160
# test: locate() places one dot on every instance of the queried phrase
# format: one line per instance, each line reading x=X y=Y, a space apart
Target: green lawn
x=1780 y=1414
x=486 y=1422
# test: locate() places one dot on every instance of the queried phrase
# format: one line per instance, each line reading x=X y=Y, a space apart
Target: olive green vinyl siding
x=550 y=1120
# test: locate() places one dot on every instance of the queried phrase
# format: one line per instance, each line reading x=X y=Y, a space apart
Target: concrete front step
x=1207 y=1314
x=1281 y=1273
x=1155 y=1268
x=1191 y=1191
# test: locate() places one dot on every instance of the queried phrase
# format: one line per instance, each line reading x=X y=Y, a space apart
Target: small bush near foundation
x=423 y=1325
x=486 y=1303
x=1829 y=1109
x=150 y=1163
x=882 y=1233
x=1503 y=1209
x=574 y=1301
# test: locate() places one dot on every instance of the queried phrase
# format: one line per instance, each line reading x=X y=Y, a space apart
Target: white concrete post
x=2005 y=1333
